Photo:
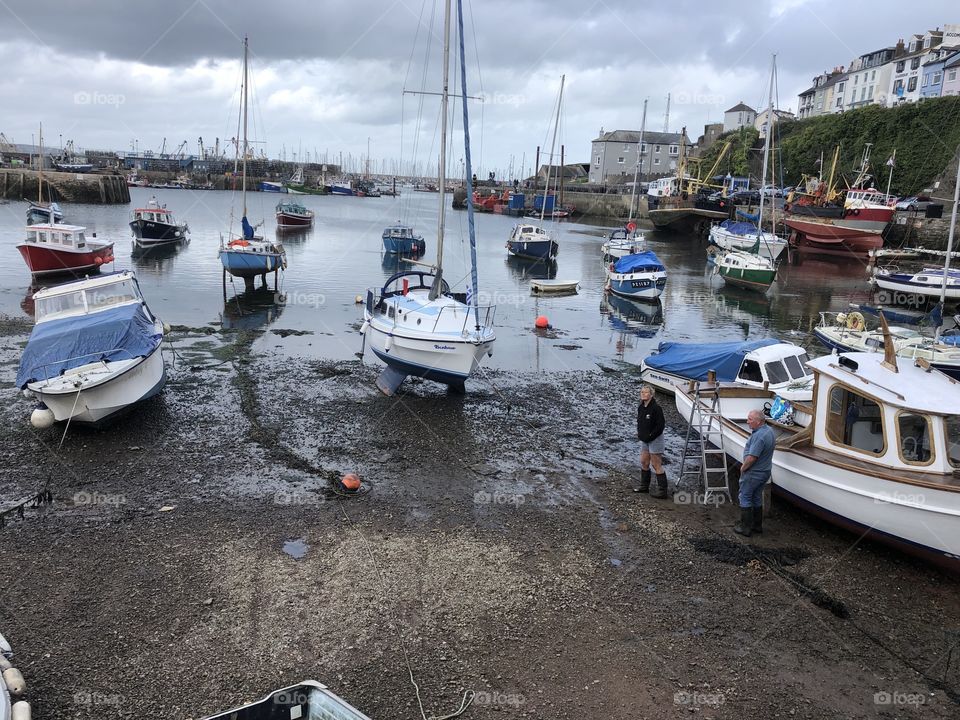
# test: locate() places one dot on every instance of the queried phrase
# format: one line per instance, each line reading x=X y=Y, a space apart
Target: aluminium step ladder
x=705 y=440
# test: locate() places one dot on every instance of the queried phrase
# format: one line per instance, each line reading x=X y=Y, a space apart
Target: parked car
x=768 y=190
x=746 y=197
x=914 y=203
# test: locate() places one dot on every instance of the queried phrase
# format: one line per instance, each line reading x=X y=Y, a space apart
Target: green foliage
x=925 y=134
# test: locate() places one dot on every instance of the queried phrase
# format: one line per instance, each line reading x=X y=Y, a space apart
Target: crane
x=179 y=154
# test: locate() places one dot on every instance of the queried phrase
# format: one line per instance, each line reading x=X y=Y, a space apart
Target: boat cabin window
x=952 y=423
x=875 y=343
x=795 y=366
x=855 y=421
x=65 y=304
x=391 y=311
x=81 y=240
x=914 y=437
x=776 y=372
x=750 y=371
x=113 y=294
x=43 y=236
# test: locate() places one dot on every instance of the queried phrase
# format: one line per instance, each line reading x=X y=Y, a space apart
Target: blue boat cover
x=740 y=228
x=247 y=228
x=640 y=262
x=694 y=360
x=60 y=345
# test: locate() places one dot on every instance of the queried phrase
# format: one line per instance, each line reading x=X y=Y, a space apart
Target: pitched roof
x=633 y=136
x=740 y=107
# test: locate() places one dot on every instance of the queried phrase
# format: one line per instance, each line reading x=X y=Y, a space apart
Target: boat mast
x=244 y=186
x=473 y=291
x=40 y=176
x=891 y=162
x=636 y=170
x=442 y=180
x=766 y=146
x=946 y=264
x=553 y=144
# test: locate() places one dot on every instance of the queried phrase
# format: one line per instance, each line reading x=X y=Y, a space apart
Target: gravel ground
x=194 y=557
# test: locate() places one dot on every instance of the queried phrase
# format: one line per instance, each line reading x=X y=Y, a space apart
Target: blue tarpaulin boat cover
x=59 y=345
x=740 y=228
x=247 y=228
x=640 y=262
x=694 y=360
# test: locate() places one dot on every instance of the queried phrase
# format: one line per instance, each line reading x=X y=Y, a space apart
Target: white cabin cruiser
x=877 y=452
x=94 y=351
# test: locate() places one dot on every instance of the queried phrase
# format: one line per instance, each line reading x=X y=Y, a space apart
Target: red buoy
x=542 y=322
x=350 y=482
x=631 y=226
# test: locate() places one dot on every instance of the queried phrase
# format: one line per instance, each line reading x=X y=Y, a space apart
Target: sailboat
x=529 y=239
x=41 y=211
x=751 y=268
x=415 y=323
x=248 y=255
x=627 y=240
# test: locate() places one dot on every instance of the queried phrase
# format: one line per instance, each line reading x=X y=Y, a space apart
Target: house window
x=952 y=75
x=914 y=438
x=626 y=148
x=937 y=77
x=840 y=87
x=856 y=78
x=915 y=63
x=855 y=421
x=870 y=96
x=898 y=87
x=840 y=102
x=900 y=66
x=598 y=160
x=656 y=161
x=912 y=84
x=643 y=149
x=873 y=75
x=863 y=93
x=674 y=150
x=926 y=79
x=656 y=148
x=620 y=160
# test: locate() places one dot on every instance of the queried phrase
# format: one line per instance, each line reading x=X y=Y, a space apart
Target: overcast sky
x=328 y=75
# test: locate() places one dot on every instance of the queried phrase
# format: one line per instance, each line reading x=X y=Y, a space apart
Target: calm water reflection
x=336 y=260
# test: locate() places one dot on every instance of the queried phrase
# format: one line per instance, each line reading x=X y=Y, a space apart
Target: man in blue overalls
x=754 y=474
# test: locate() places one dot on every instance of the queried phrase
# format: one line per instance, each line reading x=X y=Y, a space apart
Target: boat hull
x=150 y=233
x=404 y=246
x=638 y=286
x=533 y=249
x=288 y=220
x=828 y=238
x=770 y=246
x=749 y=278
x=879 y=509
x=905 y=284
x=248 y=264
x=43 y=261
x=683 y=219
x=109 y=399
x=953 y=370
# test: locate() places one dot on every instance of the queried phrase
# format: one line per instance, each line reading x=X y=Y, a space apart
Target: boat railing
x=100 y=355
x=485 y=312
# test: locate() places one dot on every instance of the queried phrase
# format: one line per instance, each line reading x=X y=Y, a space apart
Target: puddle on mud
x=297 y=549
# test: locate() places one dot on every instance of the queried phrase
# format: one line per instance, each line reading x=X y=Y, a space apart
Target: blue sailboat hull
x=249 y=265
x=639 y=289
x=535 y=250
x=404 y=246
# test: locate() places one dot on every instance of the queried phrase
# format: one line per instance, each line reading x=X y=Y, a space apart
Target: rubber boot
x=757 y=526
x=746 y=522
x=644 y=485
x=659 y=488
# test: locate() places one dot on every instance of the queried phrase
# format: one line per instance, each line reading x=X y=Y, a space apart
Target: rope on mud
x=468 y=695
x=67 y=428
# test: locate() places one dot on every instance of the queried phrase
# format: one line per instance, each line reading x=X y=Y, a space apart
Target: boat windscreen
x=795 y=366
x=776 y=373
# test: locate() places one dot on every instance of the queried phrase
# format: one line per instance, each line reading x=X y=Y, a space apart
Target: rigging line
x=476 y=53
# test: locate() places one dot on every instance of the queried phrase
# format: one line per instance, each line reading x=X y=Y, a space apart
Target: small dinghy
x=94 y=351
x=542 y=287
x=307 y=700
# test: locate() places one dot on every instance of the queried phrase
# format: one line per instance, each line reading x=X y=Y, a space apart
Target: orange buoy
x=350 y=482
x=542 y=322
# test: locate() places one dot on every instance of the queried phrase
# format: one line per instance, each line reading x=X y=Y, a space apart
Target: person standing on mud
x=754 y=474
x=650 y=425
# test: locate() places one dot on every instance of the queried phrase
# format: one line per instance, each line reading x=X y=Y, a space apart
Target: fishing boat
x=768 y=363
x=847 y=332
x=155 y=225
x=342 y=187
x=734 y=235
x=58 y=249
x=12 y=687
x=928 y=282
x=415 y=323
x=401 y=240
x=530 y=239
x=246 y=254
x=274 y=187
x=308 y=699
x=94 y=351
x=622 y=242
x=640 y=277
x=877 y=452
x=292 y=214
x=751 y=267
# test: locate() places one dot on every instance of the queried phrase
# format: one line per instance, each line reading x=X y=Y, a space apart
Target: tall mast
x=553 y=145
x=636 y=169
x=40 y=176
x=946 y=264
x=244 y=191
x=766 y=144
x=442 y=180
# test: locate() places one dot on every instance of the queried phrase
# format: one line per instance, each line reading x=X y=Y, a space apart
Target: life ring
x=631 y=226
x=855 y=322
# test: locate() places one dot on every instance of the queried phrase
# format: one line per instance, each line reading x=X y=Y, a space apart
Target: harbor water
x=342 y=255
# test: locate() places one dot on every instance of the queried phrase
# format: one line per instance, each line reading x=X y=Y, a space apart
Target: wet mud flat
x=195 y=557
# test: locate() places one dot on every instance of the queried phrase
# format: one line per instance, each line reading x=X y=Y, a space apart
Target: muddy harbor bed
x=500 y=546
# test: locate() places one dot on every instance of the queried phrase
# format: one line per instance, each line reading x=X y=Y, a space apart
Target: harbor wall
x=90 y=188
x=913 y=230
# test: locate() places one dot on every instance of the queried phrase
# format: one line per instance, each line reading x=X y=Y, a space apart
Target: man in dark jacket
x=650 y=424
